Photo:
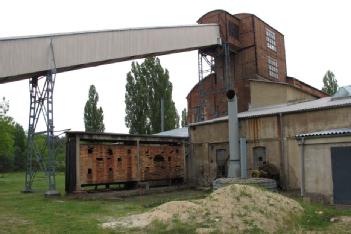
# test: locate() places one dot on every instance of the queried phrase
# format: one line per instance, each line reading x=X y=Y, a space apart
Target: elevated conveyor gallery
x=39 y=58
x=26 y=57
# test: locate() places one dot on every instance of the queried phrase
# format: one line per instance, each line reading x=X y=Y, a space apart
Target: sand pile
x=234 y=208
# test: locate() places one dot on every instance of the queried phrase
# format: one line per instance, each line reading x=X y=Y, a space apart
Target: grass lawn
x=32 y=213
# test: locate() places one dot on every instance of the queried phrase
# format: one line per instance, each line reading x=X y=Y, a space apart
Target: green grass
x=316 y=219
x=317 y=216
x=33 y=213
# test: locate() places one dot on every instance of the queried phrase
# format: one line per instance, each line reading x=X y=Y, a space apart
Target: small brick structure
x=94 y=159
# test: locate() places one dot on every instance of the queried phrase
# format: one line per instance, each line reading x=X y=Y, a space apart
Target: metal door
x=341 y=170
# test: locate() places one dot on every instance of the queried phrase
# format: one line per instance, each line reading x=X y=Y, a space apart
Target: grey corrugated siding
x=20 y=58
x=330 y=132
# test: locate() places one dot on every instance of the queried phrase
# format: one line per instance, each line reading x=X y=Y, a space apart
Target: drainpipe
x=283 y=161
x=302 y=166
x=233 y=128
x=243 y=158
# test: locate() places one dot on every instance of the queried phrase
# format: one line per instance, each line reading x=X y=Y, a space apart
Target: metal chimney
x=233 y=128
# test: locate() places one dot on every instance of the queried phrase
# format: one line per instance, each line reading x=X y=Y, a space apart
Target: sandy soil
x=234 y=208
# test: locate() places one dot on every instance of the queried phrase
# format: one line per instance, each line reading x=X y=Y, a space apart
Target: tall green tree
x=330 y=83
x=12 y=145
x=93 y=116
x=184 y=121
x=20 y=148
x=147 y=84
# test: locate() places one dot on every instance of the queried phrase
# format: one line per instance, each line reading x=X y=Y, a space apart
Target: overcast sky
x=317 y=38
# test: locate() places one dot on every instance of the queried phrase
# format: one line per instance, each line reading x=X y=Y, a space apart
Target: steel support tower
x=41 y=94
x=41 y=102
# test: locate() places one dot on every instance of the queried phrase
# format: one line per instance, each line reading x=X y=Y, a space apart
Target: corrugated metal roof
x=322 y=103
x=178 y=132
x=343 y=92
x=330 y=132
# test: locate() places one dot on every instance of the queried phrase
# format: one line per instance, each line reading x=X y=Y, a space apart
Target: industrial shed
x=270 y=134
x=326 y=165
x=94 y=159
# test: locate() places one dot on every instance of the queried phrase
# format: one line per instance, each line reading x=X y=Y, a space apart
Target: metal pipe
x=162 y=116
x=302 y=166
x=233 y=128
x=283 y=167
x=243 y=158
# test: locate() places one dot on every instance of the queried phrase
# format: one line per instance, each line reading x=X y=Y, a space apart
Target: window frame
x=271 y=39
x=273 y=70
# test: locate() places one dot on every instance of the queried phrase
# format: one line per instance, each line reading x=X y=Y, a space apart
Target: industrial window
x=199 y=114
x=270 y=38
x=233 y=30
x=273 y=67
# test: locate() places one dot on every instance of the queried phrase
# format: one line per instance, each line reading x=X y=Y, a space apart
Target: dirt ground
x=234 y=208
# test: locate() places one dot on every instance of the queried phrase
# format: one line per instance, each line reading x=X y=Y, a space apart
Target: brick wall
x=248 y=61
x=111 y=163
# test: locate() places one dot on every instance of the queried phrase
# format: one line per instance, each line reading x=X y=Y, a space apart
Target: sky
x=317 y=38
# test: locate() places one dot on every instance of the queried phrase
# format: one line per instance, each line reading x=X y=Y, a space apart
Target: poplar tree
x=330 y=83
x=147 y=84
x=93 y=116
x=184 y=121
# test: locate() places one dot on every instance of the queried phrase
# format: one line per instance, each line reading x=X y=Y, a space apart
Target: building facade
x=257 y=52
x=270 y=134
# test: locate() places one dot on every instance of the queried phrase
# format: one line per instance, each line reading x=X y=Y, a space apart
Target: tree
x=147 y=84
x=184 y=122
x=12 y=145
x=93 y=116
x=20 y=147
x=330 y=83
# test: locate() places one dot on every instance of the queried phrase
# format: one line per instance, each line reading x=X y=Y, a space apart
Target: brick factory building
x=257 y=53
